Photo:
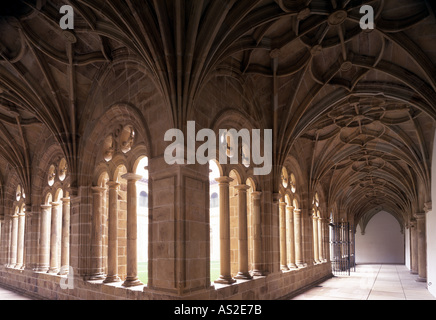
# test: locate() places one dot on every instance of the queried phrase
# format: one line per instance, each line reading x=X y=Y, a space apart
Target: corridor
x=371 y=282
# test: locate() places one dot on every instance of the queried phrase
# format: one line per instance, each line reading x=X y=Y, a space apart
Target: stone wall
x=272 y=287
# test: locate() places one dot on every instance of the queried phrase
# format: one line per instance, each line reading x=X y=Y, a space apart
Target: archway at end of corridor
x=380 y=241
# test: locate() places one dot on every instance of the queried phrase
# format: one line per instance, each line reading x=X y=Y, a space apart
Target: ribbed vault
x=364 y=100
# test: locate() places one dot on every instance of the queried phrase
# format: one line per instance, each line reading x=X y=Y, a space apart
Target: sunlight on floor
x=371 y=282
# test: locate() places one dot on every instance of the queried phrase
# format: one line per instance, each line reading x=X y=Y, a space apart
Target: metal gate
x=342 y=248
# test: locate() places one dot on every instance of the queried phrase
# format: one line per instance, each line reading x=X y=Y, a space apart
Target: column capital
x=55 y=204
x=419 y=215
x=428 y=206
x=112 y=184
x=242 y=187
x=256 y=195
x=276 y=197
x=297 y=211
x=46 y=206
x=223 y=180
x=132 y=177
x=98 y=189
x=66 y=200
x=290 y=208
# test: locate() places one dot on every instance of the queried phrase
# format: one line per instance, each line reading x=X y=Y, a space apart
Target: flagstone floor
x=371 y=282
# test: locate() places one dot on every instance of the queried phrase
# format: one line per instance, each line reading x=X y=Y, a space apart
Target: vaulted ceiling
x=358 y=106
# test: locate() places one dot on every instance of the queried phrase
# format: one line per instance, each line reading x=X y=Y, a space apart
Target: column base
x=225 y=280
x=284 y=268
x=132 y=282
x=292 y=266
x=41 y=269
x=63 y=271
x=29 y=268
x=97 y=276
x=421 y=280
x=243 y=276
x=53 y=270
x=112 y=279
x=257 y=273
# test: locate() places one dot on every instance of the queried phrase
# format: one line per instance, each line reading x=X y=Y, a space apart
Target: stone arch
x=119 y=170
x=293 y=167
x=322 y=207
x=284 y=178
x=366 y=219
x=218 y=166
x=288 y=199
x=116 y=117
x=58 y=195
x=10 y=188
x=48 y=198
x=49 y=155
x=101 y=169
x=236 y=175
x=231 y=118
x=296 y=202
x=252 y=183
x=135 y=156
x=115 y=165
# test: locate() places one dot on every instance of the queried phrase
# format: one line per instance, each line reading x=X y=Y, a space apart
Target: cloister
x=90 y=209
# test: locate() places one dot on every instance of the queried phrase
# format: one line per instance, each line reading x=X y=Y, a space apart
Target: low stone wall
x=272 y=287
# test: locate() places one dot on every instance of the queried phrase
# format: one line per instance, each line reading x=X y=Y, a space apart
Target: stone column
x=413 y=248
x=29 y=251
x=422 y=247
x=225 y=277
x=132 y=232
x=283 y=248
x=291 y=236
x=54 y=239
x=65 y=244
x=96 y=235
x=14 y=241
x=1 y=242
x=298 y=239
x=44 y=247
x=322 y=240
x=243 y=233
x=20 y=241
x=257 y=234
x=112 y=274
x=315 y=239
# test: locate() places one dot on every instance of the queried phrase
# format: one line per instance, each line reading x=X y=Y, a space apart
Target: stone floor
x=6 y=294
x=371 y=282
